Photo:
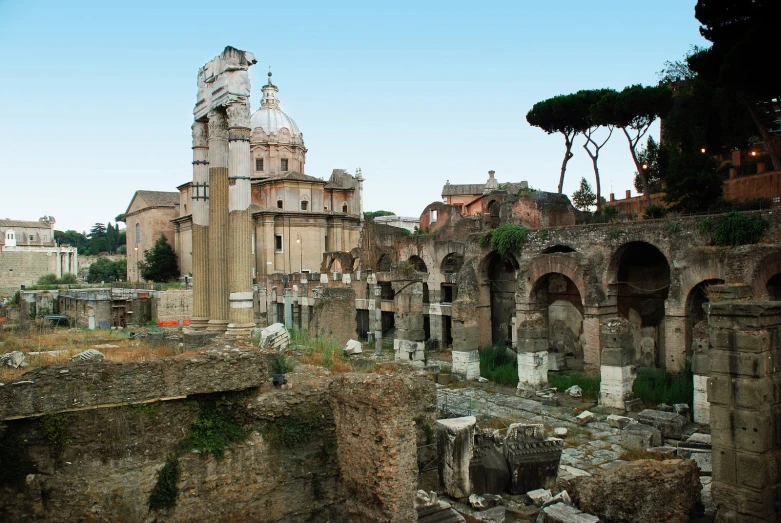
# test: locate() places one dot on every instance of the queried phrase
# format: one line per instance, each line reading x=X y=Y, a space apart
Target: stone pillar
x=200 y=231
x=455 y=446
x=240 y=314
x=218 y=222
x=592 y=346
x=272 y=305
x=745 y=408
x=375 y=311
x=408 y=313
x=674 y=342
x=288 y=308
x=532 y=353
x=617 y=369
x=466 y=335
x=700 y=369
x=435 y=322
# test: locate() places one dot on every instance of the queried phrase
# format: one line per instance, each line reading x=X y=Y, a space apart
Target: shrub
x=610 y=212
x=159 y=262
x=165 y=491
x=615 y=233
x=498 y=365
x=67 y=279
x=542 y=234
x=47 y=279
x=654 y=211
x=506 y=239
x=673 y=228
x=213 y=430
x=283 y=364
x=564 y=380
x=733 y=229
x=655 y=386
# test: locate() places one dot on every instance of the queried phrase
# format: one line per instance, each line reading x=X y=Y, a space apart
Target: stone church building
x=296 y=217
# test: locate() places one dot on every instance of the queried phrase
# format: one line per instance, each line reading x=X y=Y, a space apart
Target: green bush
x=734 y=228
x=655 y=386
x=615 y=233
x=165 y=491
x=564 y=380
x=610 y=212
x=507 y=239
x=498 y=365
x=213 y=430
x=655 y=211
x=282 y=363
x=47 y=279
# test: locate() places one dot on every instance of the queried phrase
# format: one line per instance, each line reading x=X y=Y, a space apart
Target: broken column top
x=616 y=333
x=223 y=80
x=455 y=424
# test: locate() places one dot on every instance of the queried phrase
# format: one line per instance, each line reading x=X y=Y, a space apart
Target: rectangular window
x=304 y=205
x=433 y=216
x=32 y=237
x=279 y=204
x=138 y=233
x=283 y=164
x=258 y=164
x=277 y=243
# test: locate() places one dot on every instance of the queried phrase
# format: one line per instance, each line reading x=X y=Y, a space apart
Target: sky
x=96 y=97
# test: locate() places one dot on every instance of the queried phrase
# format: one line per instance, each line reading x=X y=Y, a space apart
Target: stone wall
x=174 y=308
x=334 y=314
x=745 y=408
x=24 y=268
x=325 y=449
x=377 y=444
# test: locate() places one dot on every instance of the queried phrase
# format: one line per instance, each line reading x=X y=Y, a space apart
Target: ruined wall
x=334 y=315
x=763 y=185
x=745 y=408
x=377 y=444
x=174 y=308
x=87 y=441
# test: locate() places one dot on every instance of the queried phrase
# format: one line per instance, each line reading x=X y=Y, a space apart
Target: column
x=745 y=409
x=240 y=314
x=218 y=222
x=200 y=231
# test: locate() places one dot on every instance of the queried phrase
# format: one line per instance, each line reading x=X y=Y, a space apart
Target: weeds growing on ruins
x=655 y=386
x=564 y=380
x=497 y=365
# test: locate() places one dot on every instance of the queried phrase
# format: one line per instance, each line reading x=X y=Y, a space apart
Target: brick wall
x=174 y=308
x=24 y=268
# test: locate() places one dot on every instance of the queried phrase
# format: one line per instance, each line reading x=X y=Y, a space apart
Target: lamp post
x=301 y=252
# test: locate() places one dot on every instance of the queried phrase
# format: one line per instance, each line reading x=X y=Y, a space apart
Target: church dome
x=270 y=118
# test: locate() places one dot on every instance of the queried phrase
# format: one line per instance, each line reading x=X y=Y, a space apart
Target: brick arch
x=615 y=259
x=768 y=267
x=541 y=266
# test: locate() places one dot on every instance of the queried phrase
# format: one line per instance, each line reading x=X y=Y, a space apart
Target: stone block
x=539 y=496
x=670 y=424
x=640 y=436
x=745 y=364
x=584 y=418
x=616 y=386
x=663 y=452
x=488 y=469
x=466 y=364
x=701 y=410
x=616 y=333
x=618 y=357
x=193 y=339
x=562 y=513
x=455 y=446
x=536 y=345
x=556 y=361
x=412 y=352
x=533 y=370
x=275 y=337
x=683 y=409
x=618 y=422
x=353 y=347
x=701 y=363
x=532 y=458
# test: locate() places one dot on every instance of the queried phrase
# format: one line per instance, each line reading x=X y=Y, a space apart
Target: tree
x=634 y=109
x=593 y=121
x=375 y=214
x=159 y=263
x=650 y=163
x=584 y=197
x=691 y=179
x=105 y=270
x=560 y=114
x=743 y=34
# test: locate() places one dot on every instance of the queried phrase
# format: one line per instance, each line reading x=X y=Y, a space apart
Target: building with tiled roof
x=148 y=215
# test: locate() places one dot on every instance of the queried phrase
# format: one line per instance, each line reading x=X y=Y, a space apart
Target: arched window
x=344 y=208
x=279 y=204
x=138 y=233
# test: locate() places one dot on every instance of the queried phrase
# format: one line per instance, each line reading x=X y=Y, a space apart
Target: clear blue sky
x=97 y=97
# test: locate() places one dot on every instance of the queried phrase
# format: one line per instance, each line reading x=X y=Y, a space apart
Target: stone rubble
x=353 y=347
x=13 y=359
x=274 y=337
x=89 y=354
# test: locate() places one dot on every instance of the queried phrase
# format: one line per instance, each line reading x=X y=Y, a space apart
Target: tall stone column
x=200 y=231
x=240 y=314
x=218 y=221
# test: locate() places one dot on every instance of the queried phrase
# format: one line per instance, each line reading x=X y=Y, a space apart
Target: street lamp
x=301 y=252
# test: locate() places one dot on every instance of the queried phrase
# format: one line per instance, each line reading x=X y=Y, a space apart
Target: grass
x=498 y=366
x=213 y=430
x=321 y=351
x=655 y=386
x=564 y=380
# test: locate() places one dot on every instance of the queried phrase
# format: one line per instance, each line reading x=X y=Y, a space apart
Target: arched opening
x=558 y=248
x=773 y=287
x=452 y=263
x=559 y=300
x=492 y=214
x=641 y=282
x=501 y=275
x=696 y=315
x=384 y=263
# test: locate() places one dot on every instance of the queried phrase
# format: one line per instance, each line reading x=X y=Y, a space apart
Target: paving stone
x=670 y=424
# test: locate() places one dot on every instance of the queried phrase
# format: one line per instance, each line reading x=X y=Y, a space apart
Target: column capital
x=238 y=115
x=200 y=134
x=218 y=129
